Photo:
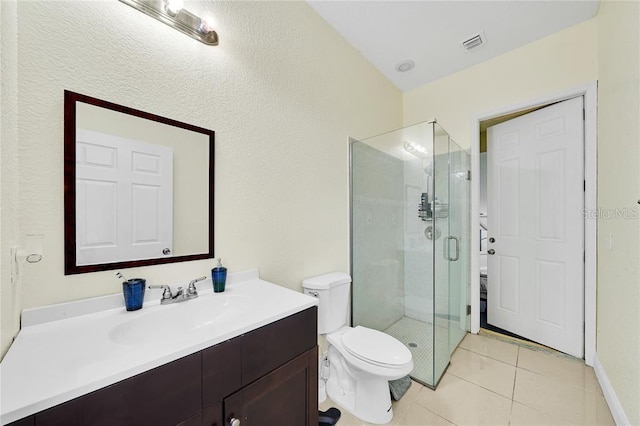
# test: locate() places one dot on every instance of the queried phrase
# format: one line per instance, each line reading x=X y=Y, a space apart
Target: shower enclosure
x=410 y=234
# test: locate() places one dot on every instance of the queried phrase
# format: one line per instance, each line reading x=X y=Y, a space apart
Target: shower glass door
x=460 y=228
x=407 y=248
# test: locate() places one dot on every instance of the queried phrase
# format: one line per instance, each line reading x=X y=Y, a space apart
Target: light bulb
x=174 y=6
x=207 y=23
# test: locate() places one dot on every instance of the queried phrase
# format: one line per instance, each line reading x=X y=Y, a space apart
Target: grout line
x=486 y=356
x=513 y=391
x=438 y=415
x=511 y=413
x=431 y=411
x=480 y=386
x=515 y=376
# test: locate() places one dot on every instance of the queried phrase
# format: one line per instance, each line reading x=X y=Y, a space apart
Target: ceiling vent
x=474 y=42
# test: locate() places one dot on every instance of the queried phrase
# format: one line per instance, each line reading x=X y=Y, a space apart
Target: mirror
x=138 y=188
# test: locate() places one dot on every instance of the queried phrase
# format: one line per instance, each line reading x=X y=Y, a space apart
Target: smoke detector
x=474 y=42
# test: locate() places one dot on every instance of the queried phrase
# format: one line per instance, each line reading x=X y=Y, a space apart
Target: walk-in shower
x=410 y=232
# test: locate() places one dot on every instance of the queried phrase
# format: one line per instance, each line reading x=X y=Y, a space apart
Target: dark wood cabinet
x=286 y=396
x=27 y=421
x=267 y=376
x=278 y=367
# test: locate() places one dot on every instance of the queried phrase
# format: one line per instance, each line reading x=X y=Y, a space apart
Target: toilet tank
x=332 y=291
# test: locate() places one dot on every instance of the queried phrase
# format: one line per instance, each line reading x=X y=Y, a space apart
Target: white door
x=536 y=227
x=124 y=199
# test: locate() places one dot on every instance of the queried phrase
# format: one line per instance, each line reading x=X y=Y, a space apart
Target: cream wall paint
x=557 y=62
x=283 y=92
x=618 y=320
x=9 y=294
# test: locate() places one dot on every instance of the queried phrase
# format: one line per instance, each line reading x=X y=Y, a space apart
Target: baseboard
x=610 y=396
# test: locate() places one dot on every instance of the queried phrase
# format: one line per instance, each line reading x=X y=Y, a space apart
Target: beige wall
x=283 y=93
x=618 y=320
x=9 y=294
x=560 y=61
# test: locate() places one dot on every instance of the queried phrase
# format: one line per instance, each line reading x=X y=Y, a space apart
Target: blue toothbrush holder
x=133 y=291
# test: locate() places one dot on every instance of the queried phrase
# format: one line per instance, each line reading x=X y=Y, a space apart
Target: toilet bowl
x=362 y=361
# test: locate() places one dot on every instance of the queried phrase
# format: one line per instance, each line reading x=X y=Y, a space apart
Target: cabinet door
x=288 y=396
x=166 y=395
x=269 y=347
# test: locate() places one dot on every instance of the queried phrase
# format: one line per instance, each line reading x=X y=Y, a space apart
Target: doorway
x=589 y=93
x=535 y=205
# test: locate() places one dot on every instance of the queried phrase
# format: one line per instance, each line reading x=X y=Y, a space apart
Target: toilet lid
x=375 y=347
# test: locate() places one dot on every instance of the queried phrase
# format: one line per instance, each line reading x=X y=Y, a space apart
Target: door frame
x=590 y=93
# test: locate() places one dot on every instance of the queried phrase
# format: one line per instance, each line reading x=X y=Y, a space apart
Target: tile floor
x=495 y=382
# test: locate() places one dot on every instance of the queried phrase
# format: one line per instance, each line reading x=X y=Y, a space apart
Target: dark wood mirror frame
x=70 y=267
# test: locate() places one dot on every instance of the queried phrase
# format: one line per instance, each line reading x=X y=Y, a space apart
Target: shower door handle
x=447 y=248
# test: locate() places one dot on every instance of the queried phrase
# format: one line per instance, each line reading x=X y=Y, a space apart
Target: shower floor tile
x=417 y=336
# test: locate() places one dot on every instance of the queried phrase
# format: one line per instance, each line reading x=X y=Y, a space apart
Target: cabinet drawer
x=271 y=346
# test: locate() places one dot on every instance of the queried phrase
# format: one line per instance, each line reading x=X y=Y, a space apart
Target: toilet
x=362 y=361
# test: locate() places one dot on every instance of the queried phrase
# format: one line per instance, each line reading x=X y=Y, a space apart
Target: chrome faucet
x=181 y=295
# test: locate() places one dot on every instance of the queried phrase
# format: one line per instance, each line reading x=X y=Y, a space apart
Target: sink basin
x=170 y=322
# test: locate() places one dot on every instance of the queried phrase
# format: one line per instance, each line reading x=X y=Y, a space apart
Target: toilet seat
x=376 y=347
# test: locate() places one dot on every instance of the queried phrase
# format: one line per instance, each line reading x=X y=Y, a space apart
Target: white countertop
x=63 y=352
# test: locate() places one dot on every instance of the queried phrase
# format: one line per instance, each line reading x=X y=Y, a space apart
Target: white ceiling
x=430 y=32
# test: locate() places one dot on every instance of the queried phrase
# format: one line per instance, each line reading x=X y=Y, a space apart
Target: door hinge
x=584 y=185
x=468 y=174
x=468 y=309
x=584 y=114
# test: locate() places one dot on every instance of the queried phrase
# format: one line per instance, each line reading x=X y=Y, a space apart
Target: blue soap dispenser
x=219 y=277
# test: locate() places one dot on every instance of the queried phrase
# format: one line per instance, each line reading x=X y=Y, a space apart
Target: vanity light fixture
x=172 y=13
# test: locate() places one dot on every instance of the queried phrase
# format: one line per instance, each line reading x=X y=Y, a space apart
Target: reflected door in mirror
x=124 y=199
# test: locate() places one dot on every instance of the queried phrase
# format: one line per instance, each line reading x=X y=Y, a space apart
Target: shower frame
x=464 y=322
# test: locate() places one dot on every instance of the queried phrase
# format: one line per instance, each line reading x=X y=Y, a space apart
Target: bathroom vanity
x=258 y=366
